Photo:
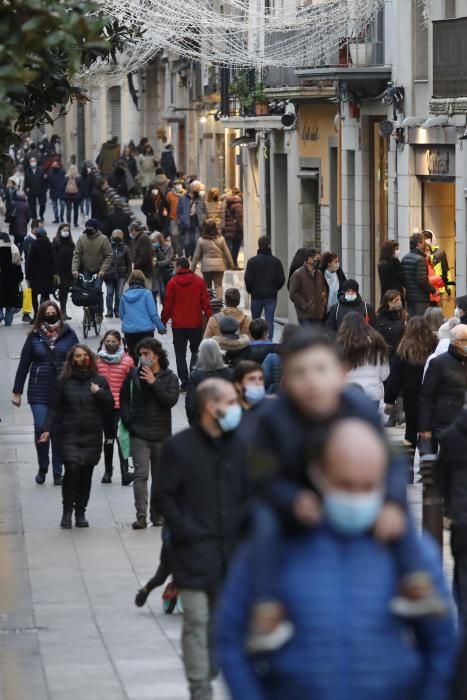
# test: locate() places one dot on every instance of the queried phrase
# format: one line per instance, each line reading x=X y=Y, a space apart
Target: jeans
x=269 y=306
x=197 y=646
x=39 y=413
x=176 y=238
x=86 y=206
x=145 y=454
x=181 y=338
x=132 y=340
x=234 y=246
x=33 y=200
x=417 y=308
x=191 y=236
x=114 y=292
x=76 y=487
x=72 y=205
x=7 y=315
x=59 y=209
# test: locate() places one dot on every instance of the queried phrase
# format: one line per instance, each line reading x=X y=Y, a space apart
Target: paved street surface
x=68 y=625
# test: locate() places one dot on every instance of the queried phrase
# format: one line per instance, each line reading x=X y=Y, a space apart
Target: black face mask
x=51 y=319
x=89 y=231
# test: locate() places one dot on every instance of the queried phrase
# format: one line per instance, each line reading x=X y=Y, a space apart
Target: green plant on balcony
x=249 y=96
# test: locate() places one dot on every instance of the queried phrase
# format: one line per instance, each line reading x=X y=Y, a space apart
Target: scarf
x=49 y=334
x=111 y=358
x=333 y=284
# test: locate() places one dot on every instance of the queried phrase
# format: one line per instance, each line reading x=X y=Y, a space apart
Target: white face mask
x=155 y=192
x=33 y=164
x=64 y=233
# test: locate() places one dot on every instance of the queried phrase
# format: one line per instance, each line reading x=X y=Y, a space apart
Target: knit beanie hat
x=350 y=285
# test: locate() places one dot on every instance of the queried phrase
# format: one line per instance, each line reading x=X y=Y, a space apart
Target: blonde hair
x=72 y=171
x=213 y=194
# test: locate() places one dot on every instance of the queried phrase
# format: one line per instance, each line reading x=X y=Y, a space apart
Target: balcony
x=450 y=58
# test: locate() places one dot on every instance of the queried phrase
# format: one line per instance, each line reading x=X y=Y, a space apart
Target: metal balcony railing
x=450 y=58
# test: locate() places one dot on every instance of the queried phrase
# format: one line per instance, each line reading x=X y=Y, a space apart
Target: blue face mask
x=254 y=394
x=350 y=297
x=231 y=418
x=352 y=514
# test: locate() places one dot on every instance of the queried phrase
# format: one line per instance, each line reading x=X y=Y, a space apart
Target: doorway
x=378 y=200
x=310 y=224
x=439 y=215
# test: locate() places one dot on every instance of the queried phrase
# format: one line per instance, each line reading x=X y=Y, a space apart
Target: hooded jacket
x=186 y=298
x=138 y=311
x=339 y=311
x=212 y=328
x=234 y=349
x=416 y=282
x=443 y=391
x=308 y=294
x=92 y=253
x=264 y=275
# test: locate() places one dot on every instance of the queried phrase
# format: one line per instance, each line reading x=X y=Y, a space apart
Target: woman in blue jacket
x=138 y=313
x=42 y=357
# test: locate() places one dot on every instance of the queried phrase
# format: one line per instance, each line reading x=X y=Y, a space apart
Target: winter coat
x=115 y=374
x=35 y=182
x=391 y=276
x=43 y=364
x=308 y=294
x=92 y=254
x=347 y=644
x=72 y=196
x=272 y=369
x=443 y=391
x=186 y=299
x=214 y=211
x=146 y=409
x=99 y=206
x=392 y=327
x=443 y=346
x=86 y=184
x=117 y=218
x=451 y=469
x=183 y=211
x=339 y=311
x=130 y=164
x=370 y=378
x=40 y=265
x=142 y=254
x=235 y=349
x=214 y=255
x=77 y=417
x=156 y=210
x=120 y=267
x=233 y=218
x=56 y=182
x=258 y=350
x=19 y=227
x=201 y=489
x=264 y=276
x=63 y=255
x=212 y=328
x=138 y=311
x=108 y=156
x=406 y=379
x=168 y=163
x=11 y=276
x=196 y=377
x=416 y=283
x=162 y=270
x=185 y=216
x=118 y=180
x=146 y=169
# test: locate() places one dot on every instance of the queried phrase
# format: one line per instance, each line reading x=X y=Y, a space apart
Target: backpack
x=71 y=186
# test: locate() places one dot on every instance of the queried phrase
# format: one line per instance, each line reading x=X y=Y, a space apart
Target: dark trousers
x=132 y=340
x=76 y=486
x=183 y=336
x=33 y=200
x=19 y=241
x=459 y=553
x=35 y=301
x=309 y=323
x=234 y=246
x=110 y=436
x=59 y=209
x=72 y=205
x=39 y=412
x=417 y=308
x=63 y=298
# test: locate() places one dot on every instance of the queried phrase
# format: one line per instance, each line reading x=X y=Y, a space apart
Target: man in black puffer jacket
x=416 y=282
x=264 y=277
x=349 y=299
x=444 y=387
x=147 y=398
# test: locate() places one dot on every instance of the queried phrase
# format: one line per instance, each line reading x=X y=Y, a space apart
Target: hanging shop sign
x=435 y=161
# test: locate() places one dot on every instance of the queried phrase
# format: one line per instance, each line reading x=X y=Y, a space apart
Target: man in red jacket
x=186 y=297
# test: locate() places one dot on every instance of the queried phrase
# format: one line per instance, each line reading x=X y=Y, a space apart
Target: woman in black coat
x=40 y=264
x=63 y=248
x=156 y=209
x=390 y=269
x=21 y=218
x=391 y=320
x=406 y=376
x=82 y=400
x=11 y=276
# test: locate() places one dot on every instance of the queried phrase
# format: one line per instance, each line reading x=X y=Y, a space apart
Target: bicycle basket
x=85 y=296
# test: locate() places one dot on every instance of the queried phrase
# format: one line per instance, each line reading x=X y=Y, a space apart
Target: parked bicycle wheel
x=97 y=323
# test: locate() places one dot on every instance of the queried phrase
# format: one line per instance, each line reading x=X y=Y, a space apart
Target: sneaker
x=40 y=477
x=262 y=643
x=140 y=523
x=58 y=480
x=80 y=520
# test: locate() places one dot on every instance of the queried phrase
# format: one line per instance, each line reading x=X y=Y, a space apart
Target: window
x=450 y=9
x=420 y=42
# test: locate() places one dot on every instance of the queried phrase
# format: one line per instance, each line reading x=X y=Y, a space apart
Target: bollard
x=432 y=511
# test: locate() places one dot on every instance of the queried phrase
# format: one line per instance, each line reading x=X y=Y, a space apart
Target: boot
x=108 y=458
x=127 y=478
x=66 y=523
x=80 y=520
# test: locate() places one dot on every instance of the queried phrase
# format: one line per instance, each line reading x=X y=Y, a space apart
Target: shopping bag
x=27 y=301
x=123 y=437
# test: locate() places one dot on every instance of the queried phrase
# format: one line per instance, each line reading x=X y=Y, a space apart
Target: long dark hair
x=418 y=341
x=40 y=316
x=116 y=334
x=67 y=370
x=327 y=258
x=59 y=239
x=389 y=297
x=388 y=251
x=359 y=344
x=297 y=262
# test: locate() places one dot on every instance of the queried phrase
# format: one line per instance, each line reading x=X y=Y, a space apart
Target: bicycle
x=88 y=296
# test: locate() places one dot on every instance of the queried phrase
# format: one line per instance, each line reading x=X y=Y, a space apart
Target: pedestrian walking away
x=233 y=225
x=214 y=255
x=186 y=300
x=42 y=358
x=39 y=268
x=114 y=365
x=72 y=195
x=82 y=400
x=138 y=312
x=147 y=398
x=209 y=365
x=162 y=264
x=264 y=278
x=232 y=301
x=20 y=215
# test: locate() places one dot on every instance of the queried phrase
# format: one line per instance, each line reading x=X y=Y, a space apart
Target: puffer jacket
x=138 y=311
x=416 y=282
x=77 y=417
x=120 y=267
x=346 y=643
x=233 y=217
x=339 y=311
x=43 y=365
x=392 y=327
x=264 y=276
x=146 y=409
x=115 y=374
x=214 y=255
x=443 y=391
x=92 y=253
x=370 y=378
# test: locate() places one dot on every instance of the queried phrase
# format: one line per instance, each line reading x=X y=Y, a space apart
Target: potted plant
x=261 y=100
x=241 y=88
